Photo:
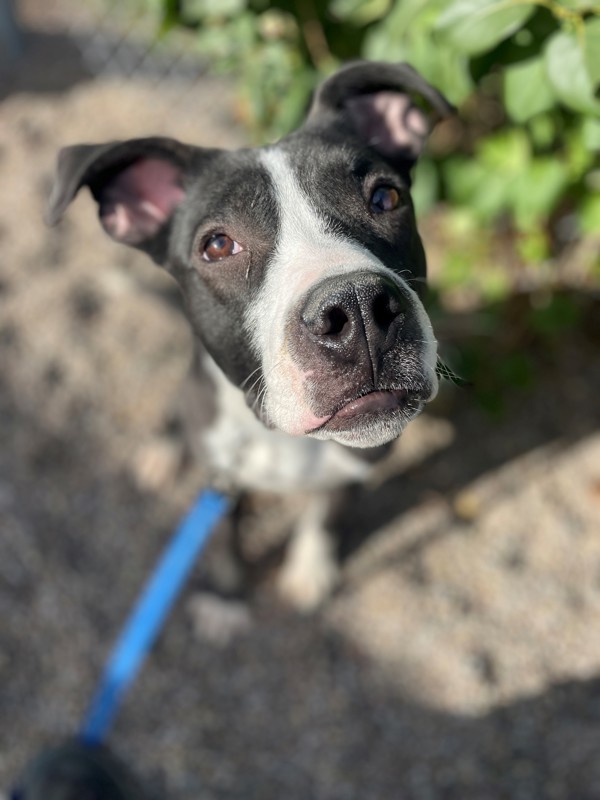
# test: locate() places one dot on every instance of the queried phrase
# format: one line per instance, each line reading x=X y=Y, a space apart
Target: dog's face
x=300 y=263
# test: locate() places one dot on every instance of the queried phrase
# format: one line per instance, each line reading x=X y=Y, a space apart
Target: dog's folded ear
x=382 y=104
x=137 y=185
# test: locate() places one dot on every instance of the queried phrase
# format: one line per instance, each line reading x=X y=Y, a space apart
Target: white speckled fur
x=254 y=457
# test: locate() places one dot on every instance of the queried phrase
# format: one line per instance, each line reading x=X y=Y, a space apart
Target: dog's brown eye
x=220 y=246
x=384 y=198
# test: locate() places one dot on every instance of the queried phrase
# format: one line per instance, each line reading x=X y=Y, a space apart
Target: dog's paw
x=307 y=591
x=216 y=619
x=309 y=574
x=155 y=464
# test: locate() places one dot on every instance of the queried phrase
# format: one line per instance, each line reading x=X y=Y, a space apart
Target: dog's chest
x=248 y=456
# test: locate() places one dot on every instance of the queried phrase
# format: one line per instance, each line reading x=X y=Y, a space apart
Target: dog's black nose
x=346 y=311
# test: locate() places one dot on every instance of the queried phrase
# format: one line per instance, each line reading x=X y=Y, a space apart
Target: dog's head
x=300 y=262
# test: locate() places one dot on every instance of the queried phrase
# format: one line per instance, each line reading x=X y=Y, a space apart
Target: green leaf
x=390 y=39
x=170 y=15
x=205 y=9
x=543 y=130
x=387 y=41
x=380 y=45
x=579 y=156
x=463 y=178
x=230 y=45
x=589 y=218
x=471 y=182
x=403 y=17
x=457 y=270
x=535 y=193
x=532 y=245
x=592 y=49
x=527 y=90
x=568 y=73
x=580 y=5
x=441 y=66
x=474 y=26
x=425 y=185
x=590 y=133
x=507 y=152
x=495 y=283
x=292 y=106
x=406 y=35
x=359 y=12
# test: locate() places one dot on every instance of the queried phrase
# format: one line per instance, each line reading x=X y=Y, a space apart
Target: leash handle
x=148 y=616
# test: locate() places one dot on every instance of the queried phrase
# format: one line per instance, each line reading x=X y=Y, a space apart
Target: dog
x=302 y=274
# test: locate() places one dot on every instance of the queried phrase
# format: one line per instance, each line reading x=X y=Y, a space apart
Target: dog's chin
x=372 y=431
x=372 y=420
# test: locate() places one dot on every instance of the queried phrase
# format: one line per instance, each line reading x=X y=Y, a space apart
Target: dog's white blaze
x=305 y=254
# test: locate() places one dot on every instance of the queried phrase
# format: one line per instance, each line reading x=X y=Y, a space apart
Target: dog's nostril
x=343 y=310
x=385 y=309
x=330 y=320
x=335 y=321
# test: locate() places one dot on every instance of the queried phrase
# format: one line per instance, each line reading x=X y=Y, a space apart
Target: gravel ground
x=460 y=659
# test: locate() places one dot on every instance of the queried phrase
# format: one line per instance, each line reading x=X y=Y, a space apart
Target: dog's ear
x=137 y=184
x=382 y=104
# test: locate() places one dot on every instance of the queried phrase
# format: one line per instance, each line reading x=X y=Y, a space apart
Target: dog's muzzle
x=357 y=339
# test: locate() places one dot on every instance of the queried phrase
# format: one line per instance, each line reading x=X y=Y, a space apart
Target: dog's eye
x=384 y=198
x=220 y=246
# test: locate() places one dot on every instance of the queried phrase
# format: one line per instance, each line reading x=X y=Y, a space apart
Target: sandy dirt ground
x=460 y=659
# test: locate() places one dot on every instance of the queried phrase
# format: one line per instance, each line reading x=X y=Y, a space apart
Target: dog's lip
x=377 y=401
x=380 y=400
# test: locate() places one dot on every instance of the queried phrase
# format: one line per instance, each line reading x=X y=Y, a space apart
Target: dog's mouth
x=371 y=406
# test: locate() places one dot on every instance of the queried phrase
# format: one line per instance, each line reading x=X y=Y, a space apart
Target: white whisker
x=245 y=381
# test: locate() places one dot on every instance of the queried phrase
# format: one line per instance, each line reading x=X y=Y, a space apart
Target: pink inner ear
x=138 y=202
x=390 y=123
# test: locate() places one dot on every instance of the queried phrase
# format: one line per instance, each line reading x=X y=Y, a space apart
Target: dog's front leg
x=310 y=571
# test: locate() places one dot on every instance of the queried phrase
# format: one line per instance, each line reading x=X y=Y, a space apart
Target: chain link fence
x=61 y=42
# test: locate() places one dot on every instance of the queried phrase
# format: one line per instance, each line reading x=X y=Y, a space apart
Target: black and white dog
x=301 y=270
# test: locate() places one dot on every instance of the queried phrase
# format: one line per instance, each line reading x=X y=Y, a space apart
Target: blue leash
x=148 y=616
